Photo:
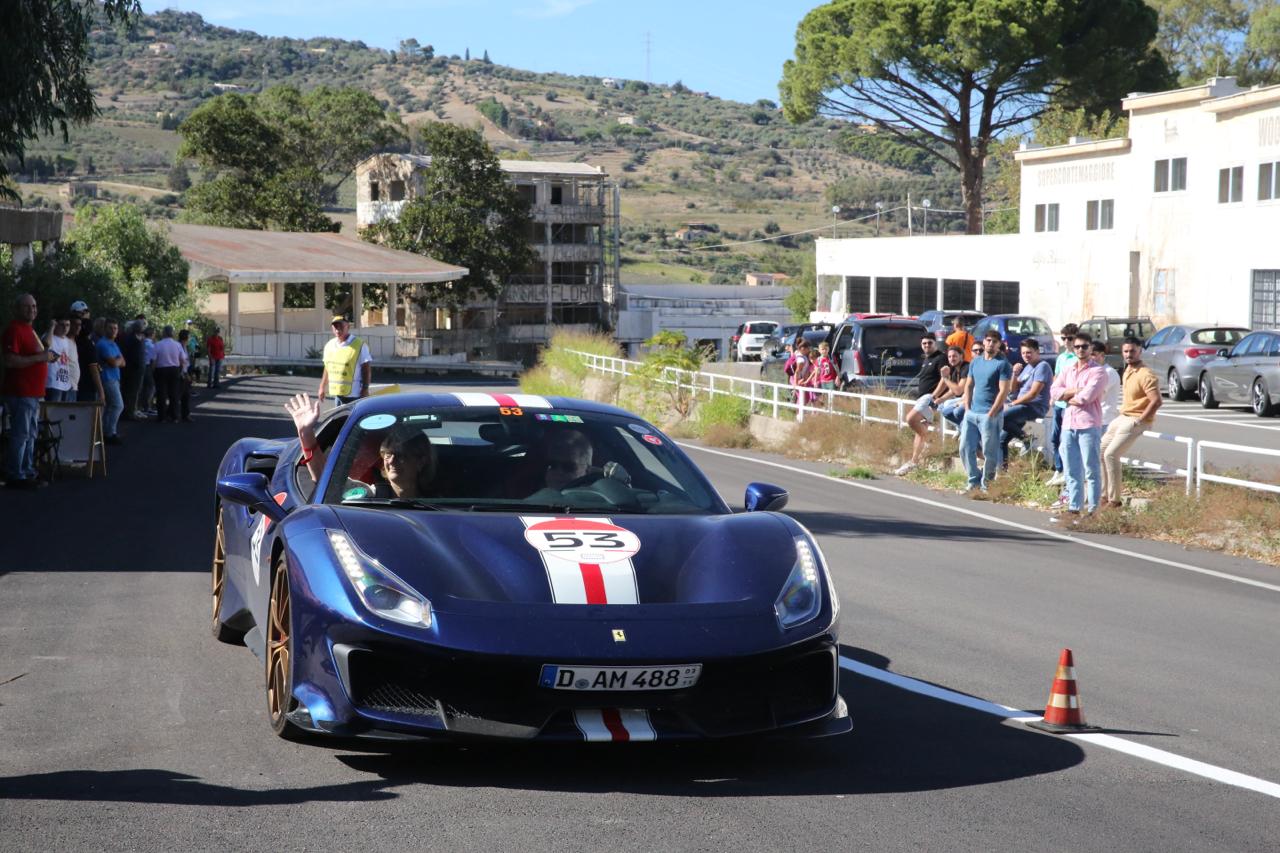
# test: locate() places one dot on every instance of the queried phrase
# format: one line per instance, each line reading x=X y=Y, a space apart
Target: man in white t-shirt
x=58 y=384
x=348 y=365
x=1110 y=397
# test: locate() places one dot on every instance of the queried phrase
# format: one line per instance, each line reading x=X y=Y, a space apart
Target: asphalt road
x=123 y=725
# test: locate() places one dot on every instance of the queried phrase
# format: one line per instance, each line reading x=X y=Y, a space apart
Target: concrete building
x=1176 y=221
x=574 y=208
x=708 y=314
x=22 y=230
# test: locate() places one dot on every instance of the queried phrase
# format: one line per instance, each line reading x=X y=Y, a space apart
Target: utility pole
x=927 y=204
x=647 y=50
x=879 y=207
x=910 y=227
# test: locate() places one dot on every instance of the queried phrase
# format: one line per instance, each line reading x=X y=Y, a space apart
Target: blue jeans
x=115 y=406
x=1082 y=455
x=979 y=426
x=215 y=372
x=952 y=410
x=53 y=395
x=20 y=455
x=1053 y=438
x=1015 y=420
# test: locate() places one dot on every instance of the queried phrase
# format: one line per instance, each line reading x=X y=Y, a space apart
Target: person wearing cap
x=89 y=388
x=26 y=364
x=348 y=366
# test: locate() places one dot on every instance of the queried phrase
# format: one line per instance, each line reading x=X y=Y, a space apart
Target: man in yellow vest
x=348 y=366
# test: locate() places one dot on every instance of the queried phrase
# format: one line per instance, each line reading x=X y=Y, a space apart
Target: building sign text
x=1081 y=173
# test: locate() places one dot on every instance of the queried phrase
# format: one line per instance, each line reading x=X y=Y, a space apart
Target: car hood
x=699 y=559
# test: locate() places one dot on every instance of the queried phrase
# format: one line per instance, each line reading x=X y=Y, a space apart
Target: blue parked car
x=1014 y=329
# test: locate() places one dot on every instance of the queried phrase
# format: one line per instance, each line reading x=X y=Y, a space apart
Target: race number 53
x=583 y=540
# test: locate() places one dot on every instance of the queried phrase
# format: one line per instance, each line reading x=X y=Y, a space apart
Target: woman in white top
x=1110 y=397
x=58 y=387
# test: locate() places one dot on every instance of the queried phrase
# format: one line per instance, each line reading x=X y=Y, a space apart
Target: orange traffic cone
x=1063 y=712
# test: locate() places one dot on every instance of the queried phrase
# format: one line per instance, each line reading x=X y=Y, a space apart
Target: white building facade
x=1179 y=221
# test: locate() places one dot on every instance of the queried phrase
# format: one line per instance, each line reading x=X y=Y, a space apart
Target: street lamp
x=879 y=207
x=835 y=219
x=927 y=204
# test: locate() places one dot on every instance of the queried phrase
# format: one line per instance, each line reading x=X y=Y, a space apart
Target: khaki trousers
x=1120 y=436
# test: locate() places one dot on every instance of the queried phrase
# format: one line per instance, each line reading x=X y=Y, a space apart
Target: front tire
x=1175 y=389
x=220 y=631
x=1261 y=400
x=279 y=657
x=1206 y=392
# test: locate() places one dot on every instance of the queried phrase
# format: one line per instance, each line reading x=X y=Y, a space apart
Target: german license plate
x=572 y=677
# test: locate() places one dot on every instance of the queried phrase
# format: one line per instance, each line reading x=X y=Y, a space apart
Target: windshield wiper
x=398 y=503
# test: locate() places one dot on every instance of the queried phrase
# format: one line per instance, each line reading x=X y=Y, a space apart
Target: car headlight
x=381 y=591
x=801 y=596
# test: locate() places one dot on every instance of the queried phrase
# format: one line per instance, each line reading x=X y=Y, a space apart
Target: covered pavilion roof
x=292 y=257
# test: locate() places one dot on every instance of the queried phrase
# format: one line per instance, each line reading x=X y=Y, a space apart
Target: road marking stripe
x=1218 y=421
x=1051 y=534
x=1137 y=750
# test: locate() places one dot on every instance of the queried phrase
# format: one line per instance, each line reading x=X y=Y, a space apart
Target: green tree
x=949 y=76
x=1210 y=38
x=44 y=67
x=178 y=179
x=803 y=295
x=276 y=159
x=467 y=214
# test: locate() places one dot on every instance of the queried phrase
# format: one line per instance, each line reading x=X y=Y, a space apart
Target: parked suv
x=941 y=323
x=1113 y=331
x=1014 y=329
x=746 y=343
x=878 y=353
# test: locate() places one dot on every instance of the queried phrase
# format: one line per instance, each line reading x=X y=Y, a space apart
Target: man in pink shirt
x=1082 y=387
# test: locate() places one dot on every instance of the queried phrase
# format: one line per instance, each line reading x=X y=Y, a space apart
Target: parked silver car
x=1178 y=354
x=1247 y=374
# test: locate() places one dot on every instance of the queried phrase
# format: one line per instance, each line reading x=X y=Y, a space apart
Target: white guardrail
x=776 y=396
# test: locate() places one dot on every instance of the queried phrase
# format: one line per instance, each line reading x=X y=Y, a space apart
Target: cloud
x=554 y=8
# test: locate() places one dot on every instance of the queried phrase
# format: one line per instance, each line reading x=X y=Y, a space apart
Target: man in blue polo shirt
x=984 y=394
x=1029 y=393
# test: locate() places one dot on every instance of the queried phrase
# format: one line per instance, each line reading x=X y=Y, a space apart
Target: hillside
x=679 y=155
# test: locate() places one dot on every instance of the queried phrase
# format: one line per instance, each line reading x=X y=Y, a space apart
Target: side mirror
x=1224 y=352
x=763 y=497
x=250 y=490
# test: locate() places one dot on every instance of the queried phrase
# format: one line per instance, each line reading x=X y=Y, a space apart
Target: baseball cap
x=338 y=318
x=79 y=305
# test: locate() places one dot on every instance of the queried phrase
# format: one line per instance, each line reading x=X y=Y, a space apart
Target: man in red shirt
x=26 y=363
x=217 y=352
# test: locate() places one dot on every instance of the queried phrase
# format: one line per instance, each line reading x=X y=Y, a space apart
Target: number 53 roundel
x=588 y=560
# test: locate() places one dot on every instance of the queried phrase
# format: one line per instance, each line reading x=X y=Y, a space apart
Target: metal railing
x=263 y=343
x=775 y=397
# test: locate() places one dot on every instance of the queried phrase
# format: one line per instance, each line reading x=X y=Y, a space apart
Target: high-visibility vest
x=340 y=364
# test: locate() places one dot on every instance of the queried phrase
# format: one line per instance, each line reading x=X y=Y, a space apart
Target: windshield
x=905 y=338
x=1221 y=337
x=514 y=460
x=759 y=328
x=1028 y=326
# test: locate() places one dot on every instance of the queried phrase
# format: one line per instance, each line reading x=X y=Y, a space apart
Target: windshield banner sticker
x=522 y=401
x=588 y=560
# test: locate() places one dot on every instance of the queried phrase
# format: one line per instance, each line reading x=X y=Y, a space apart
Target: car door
x=1269 y=369
x=1155 y=352
x=842 y=352
x=1231 y=380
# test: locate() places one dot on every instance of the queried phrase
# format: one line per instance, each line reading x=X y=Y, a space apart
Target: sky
x=733 y=50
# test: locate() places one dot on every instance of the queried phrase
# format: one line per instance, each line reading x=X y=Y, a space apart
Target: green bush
x=723 y=410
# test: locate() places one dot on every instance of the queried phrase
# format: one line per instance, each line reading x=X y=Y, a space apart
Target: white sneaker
x=905 y=468
x=1057 y=479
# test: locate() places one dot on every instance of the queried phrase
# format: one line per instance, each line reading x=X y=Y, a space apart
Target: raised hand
x=304 y=411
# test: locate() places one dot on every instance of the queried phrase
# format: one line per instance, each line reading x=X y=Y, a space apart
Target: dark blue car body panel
x=707 y=585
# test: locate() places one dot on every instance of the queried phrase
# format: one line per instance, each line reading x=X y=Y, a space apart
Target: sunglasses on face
x=1080 y=346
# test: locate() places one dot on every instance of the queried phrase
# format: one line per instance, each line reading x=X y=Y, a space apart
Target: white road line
x=1219 y=421
x=1051 y=534
x=1128 y=747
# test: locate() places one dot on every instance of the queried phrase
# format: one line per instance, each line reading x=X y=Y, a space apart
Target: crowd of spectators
x=85 y=359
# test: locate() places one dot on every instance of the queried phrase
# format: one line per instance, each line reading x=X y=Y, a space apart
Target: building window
x=959 y=294
x=888 y=295
x=1231 y=185
x=1268 y=181
x=397 y=190
x=1266 y=299
x=1000 y=297
x=1046 y=217
x=1100 y=215
x=1171 y=175
x=857 y=293
x=373 y=191
x=557 y=194
x=528 y=192
x=922 y=293
x=1162 y=292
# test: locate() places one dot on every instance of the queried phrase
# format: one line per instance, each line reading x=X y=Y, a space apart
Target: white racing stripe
x=1128 y=747
x=991 y=519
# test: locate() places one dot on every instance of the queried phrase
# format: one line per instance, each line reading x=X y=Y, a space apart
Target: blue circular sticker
x=640 y=428
x=378 y=422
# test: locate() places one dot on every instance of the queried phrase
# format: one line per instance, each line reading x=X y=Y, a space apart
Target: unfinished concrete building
x=574 y=230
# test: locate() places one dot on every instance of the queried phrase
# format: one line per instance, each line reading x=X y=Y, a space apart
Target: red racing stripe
x=593 y=581
x=505 y=400
x=613 y=722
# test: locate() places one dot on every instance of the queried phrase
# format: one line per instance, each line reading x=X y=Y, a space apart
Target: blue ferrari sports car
x=517 y=567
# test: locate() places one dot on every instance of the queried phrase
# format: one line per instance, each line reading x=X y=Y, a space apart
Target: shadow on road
x=849 y=525
x=169 y=788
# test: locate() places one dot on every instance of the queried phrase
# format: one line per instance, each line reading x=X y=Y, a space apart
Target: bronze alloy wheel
x=220 y=631
x=280 y=656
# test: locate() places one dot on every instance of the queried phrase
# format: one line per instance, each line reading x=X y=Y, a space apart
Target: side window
x=1176 y=335
x=1246 y=346
x=980 y=328
x=1160 y=337
x=843 y=340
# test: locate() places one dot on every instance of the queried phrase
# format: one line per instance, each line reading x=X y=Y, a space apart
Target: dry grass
x=838 y=438
x=727 y=435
